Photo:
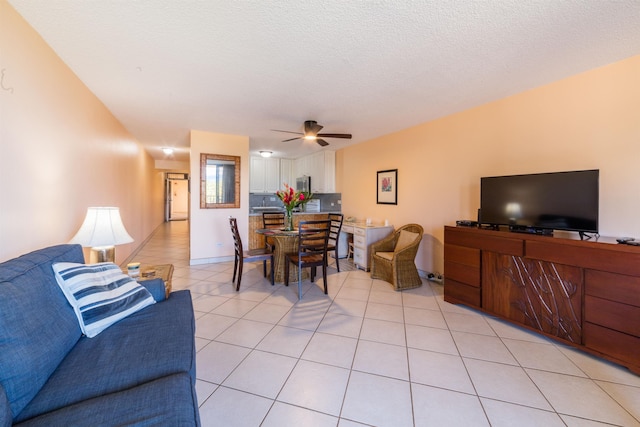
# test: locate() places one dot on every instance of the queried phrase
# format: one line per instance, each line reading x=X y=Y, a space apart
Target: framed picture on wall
x=387 y=187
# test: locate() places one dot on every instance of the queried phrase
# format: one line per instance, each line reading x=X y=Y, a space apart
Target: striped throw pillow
x=100 y=294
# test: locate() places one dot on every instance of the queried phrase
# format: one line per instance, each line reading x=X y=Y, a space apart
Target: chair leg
x=240 y=265
x=264 y=268
x=272 y=274
x=299 y=281
x=324 y=275
x=337 y=259
x=286 y=271
x=235 y=269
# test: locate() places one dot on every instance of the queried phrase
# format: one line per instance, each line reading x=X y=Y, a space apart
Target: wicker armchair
x=393 y=258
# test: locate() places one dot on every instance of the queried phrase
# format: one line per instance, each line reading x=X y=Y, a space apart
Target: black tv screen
x=544 y=201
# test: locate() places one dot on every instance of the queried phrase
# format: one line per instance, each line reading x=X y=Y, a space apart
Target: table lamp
x=102 y=229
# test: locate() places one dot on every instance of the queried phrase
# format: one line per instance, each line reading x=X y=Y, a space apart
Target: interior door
x=176 y=197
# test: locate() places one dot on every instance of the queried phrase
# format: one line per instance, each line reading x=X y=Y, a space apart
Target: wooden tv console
x=583 y=293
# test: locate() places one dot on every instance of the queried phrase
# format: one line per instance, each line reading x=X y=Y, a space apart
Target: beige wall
x=210 y=237
x=62 y=151
x=588 y=121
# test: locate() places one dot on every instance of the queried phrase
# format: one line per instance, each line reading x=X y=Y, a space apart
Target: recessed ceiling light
x=167 y=151
x=266 y=153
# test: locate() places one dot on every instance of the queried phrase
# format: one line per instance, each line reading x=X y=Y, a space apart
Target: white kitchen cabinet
x=321 y=167
x=256 y=175
x=272 y=175
x=316 y=164
x=301 y=167
x=363 y=237
x=329 y=176
x=286 y=173
x=264 y=175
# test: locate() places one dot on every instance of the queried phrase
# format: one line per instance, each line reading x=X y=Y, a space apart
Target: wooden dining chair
x=272 y=220
x=252 y=255
x=313 y=237
x=334 y=232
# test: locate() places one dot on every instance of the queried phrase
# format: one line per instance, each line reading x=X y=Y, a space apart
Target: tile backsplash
x=329 y=202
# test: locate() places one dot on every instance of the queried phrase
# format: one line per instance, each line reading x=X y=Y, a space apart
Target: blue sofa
x=139 y=371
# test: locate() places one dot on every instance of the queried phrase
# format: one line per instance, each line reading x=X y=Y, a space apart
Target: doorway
x=176 y=196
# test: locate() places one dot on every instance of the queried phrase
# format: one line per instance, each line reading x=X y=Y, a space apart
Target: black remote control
x=625 y=240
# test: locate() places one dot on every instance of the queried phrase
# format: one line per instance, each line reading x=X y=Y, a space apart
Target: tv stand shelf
x=583 y=293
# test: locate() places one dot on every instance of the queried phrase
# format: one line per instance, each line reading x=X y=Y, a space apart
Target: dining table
x=285 y=241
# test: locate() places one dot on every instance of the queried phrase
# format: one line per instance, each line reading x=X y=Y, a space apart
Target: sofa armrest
x=155 y=288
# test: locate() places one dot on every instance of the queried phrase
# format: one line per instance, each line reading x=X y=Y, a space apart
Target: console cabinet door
x=462 y=275
x=612 y=315
x=539 y=294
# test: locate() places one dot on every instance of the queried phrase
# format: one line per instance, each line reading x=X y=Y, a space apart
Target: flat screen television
x=542 y=202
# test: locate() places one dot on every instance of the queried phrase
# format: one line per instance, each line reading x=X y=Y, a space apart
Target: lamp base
x=102 y=254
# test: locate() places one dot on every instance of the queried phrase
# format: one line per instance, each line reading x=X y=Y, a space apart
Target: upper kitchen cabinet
x=321 y=167
x=264 y=175
x=301 y=167
x=286 y=173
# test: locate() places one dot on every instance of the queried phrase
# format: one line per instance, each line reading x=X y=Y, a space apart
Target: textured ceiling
x=368 y=68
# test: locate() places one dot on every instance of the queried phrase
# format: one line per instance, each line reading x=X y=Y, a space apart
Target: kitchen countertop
x=295 y=213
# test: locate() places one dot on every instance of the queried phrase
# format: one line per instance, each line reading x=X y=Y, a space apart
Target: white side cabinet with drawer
x=363 y=237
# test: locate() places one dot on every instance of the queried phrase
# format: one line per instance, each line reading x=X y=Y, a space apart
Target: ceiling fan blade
x=292 y=139
x=335 y=135
x=322 y=142
x=286 y=131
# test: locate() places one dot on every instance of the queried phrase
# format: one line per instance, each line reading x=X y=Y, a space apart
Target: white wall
x=172 y=165
x=211 y=239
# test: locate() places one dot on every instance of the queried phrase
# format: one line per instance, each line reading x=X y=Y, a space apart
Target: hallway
x=365 y=355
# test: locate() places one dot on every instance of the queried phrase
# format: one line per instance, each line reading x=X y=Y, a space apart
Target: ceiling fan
x=311 y=129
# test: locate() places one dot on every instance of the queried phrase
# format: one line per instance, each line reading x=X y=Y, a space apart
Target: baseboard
x=216 y=260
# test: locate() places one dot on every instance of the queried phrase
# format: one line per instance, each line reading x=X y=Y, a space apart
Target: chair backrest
x=411 y=238
x=335 y=227
x=313 y=237
x=414 y=228
x=272 y=219
x=237 y=242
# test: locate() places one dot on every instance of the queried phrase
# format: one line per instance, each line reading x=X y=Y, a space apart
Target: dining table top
x=276 y=232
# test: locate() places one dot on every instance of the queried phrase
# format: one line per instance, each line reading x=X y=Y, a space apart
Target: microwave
x=303 y=183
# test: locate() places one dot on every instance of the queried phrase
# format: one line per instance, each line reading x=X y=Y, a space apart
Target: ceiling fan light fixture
x=311 y=132
x=266 y=153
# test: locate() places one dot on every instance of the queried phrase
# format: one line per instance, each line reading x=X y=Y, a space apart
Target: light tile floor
x=366 y=355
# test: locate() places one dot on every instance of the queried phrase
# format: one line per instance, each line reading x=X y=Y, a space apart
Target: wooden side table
x=155 y=271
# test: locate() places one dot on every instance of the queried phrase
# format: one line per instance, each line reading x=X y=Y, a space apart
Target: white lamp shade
x=102 y=227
